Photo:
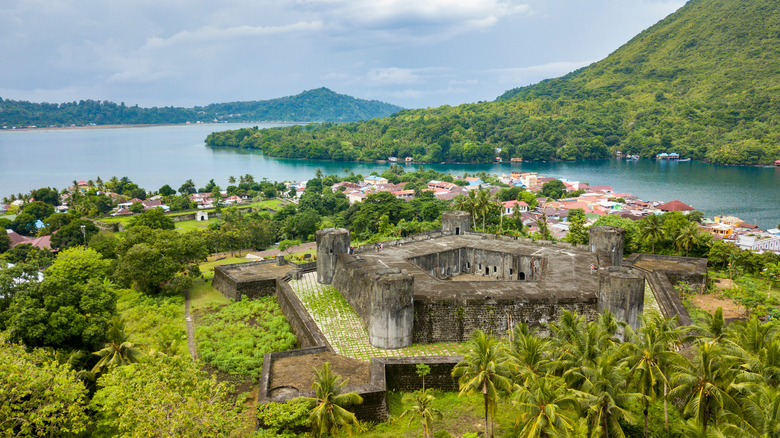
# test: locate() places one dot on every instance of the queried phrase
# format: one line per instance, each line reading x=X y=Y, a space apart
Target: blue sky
x=413 y=53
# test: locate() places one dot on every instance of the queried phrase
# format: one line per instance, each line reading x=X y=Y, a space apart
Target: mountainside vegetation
x=319 y=105
x=704 y=82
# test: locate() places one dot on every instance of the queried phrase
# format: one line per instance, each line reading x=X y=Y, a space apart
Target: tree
x=24 y=224
x=70 y=309
x=328 y=413
x=46 y=194
x=687 y=237
x=651 y=229
x=546 y=408
x=118 y=351
x=136 y=207
x=153 y=218
x=423 y=410
x=40 y=397
x=40 y=210
x=187 y=188
x=5 y=241
x=483 y=370
x=577 y=235
x=166 y=190
x=72 y=235
x=164 y=396
x=553 y=189
x=706 y=384
x=146 y=268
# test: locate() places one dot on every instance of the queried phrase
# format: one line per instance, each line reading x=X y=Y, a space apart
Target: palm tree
x=651 y=229
x=762 y=412
x=422 y=409
x=483 y=205
x=706 y=384
x=528 y=354
x=688 y=236
x=546 y=408
x=231 y=179
x=603 y=391
x=328 y=413
x=649 y=355
x=117 y=351
x=483 y=370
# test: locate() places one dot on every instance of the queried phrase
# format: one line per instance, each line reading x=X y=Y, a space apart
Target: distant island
x=318 y=105
x=702 y=83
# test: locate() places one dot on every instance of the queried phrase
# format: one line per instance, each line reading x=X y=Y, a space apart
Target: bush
x=284 y=419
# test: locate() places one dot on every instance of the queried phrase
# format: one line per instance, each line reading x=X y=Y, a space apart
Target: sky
x=412 y=53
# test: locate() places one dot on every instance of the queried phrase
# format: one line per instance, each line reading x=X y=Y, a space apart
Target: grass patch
x=187 y=226
x=207 y=268
x=233 y=338
x=202 y=295
x=156 y=323
x=461 y=415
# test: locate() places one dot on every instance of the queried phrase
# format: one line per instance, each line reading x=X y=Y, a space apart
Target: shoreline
x=144 y=125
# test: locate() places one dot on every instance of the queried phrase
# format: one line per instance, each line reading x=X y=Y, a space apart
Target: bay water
x=158 y=155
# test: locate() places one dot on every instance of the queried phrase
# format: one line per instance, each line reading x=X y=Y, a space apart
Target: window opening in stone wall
x=457 y=231
x=487 y=270
x=494 y=269
x=521 y=276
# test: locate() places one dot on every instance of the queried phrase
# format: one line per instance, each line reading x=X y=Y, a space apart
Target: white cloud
x=209 y=34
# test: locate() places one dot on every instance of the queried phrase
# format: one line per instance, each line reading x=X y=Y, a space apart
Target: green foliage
x=154 y=322
x=328 y=414
x=162 y=397
x=153 y=218
x=40 y=397
x=70 y=309
x=553 y=189
x=286 y=244
x=234 y=338
x=40 y=210
x=5 y=241
x=319 y=104
x=72 y=234
x=284 y=419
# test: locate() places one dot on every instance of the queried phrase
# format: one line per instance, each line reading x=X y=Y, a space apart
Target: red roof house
x=676 y=206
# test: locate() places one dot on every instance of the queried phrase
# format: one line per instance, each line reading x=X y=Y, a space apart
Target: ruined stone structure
x=455 y=222
x=622 y=292
x=330 y=243
x=607 y=244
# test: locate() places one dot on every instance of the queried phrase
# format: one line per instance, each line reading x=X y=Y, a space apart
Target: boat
x=684 y=159
x=632 y=157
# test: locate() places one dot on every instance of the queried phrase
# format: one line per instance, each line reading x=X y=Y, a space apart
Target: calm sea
x=154 y=156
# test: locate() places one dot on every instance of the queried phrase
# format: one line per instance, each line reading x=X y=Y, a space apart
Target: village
x=594 y=201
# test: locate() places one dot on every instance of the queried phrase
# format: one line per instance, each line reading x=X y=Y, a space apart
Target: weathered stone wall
x=455 y=222
x=330 y=243
x=392 y=309
x=234 y=288
x=495 y=264
x=401 y=373
x=453 y=320
x=301 y=323
x=607 y=242
x=352 y=278
x=622 y=292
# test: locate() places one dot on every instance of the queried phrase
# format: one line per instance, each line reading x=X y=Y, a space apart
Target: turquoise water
x=154 y=156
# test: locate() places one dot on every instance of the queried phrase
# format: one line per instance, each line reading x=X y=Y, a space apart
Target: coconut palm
x=117 y=351
x=603 y=392
x=483 y=370
x=328 y=413
x=762 y=412
x=546 y=408
x=687 y=237
x=484 y=205
x=649 y=355
x=528 y=354
x=651 y=228
x=706 y=384
x=422 y=408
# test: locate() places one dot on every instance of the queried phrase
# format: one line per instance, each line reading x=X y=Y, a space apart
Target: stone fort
x=439 y=286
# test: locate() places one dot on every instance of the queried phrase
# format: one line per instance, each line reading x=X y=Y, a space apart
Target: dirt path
x=190 y=327
x=276 y=252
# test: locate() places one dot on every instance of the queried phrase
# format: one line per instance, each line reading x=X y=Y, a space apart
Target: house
x=375 y=180
x=675 y=206
x=38 y=242
x=404 y=194
x=509 y=207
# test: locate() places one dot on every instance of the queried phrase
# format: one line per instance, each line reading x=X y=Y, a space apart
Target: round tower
x=392 y=309
x=455 y=222
x=607 y=243
x=330 y=243
x=622 y=292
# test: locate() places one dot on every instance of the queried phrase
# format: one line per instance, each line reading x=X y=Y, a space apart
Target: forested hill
x=316 y=105
x=704 y=82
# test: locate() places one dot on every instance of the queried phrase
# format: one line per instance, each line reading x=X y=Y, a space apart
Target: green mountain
x=317 y=105
x=704 y=82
